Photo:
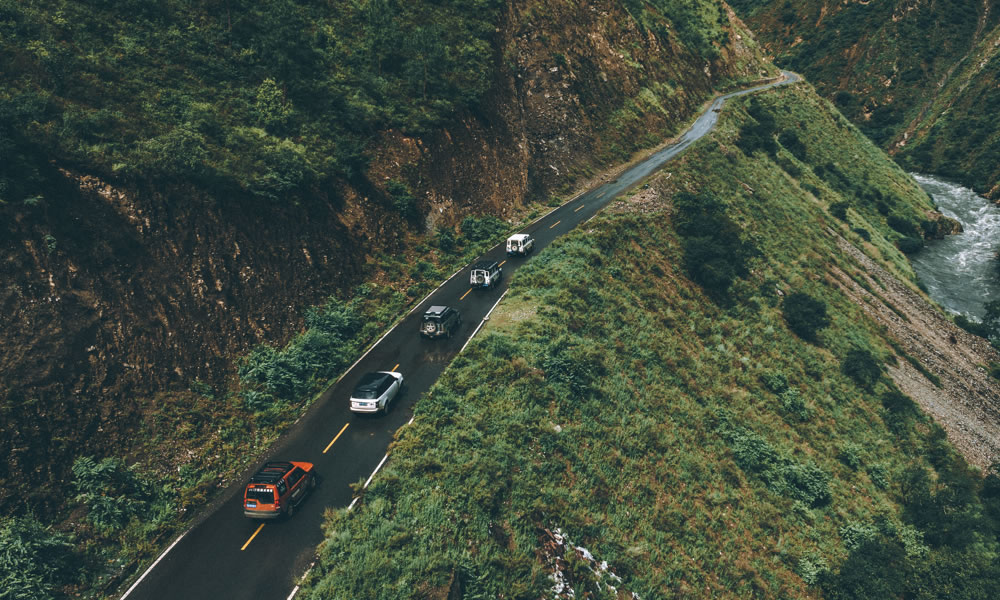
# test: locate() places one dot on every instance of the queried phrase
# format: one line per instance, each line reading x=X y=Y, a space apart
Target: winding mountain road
x=226 y=556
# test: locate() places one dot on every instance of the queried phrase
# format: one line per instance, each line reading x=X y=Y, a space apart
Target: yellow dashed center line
x=334 y=440
x=465 y=294
x=396 y=367
x=579 y=207
x=554 y=224
x=501 y=264
x=252 y=537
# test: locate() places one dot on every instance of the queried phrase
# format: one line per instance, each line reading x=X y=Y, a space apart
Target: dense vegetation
x=271 y=98
x=278 y=107
x=684 y=433
x=918 y=78
x=274 y=98
x=959 y=136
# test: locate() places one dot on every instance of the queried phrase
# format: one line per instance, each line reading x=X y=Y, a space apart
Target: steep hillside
x=696 y=396
x=915 y=77
x=180 y=182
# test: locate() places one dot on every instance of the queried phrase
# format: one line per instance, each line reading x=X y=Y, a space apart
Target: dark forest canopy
x=270 y=96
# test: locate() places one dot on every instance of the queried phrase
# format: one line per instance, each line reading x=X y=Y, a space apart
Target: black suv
x=440 y=321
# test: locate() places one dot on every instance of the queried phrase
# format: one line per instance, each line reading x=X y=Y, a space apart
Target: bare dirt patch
x=967 y=403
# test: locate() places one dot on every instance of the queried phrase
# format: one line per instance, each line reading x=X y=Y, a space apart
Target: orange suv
x=277 y=489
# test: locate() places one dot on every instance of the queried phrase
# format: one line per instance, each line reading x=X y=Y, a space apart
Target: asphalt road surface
x=227 y=556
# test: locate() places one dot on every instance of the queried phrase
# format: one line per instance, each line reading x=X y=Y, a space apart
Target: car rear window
x=368 y=387
x=262 y=495
x=366 y=393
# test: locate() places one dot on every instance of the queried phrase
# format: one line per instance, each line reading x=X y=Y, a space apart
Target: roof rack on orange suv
x=277 y=489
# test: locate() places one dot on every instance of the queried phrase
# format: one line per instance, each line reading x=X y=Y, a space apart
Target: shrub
x=775 y=381
x=807 y=483
x=34 y=560
x=909 y=245
x=994 y=370
x=815 y=191
x=403 y=201
x=850 y=455
x=793 y=404
x=971 y=326
x=446 y=240
x=576 y=367
x=879 y=475
x=811 y=568
x=904 y=226
x=861 y=366
x=898 y=403
x=482 y=229
x=874 y=570
x=334 y=335
x=112 y=492
x=752 y=452
x=839 y=210
x=793 y=144
x=863 y=233
x=805 y=315
x=757 y=133
x=715 y=253
x=202 y=389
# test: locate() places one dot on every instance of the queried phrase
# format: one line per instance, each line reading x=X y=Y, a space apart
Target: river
x=961 y=272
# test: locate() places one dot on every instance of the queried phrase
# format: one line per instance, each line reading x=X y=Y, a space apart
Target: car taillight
x=277 y=503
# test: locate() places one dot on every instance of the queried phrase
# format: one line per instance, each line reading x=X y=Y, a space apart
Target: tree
x=805 y=315
x=715 y=253
x=862 y=366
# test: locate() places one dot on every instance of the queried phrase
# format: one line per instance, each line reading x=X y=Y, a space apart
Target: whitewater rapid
x=961 y=272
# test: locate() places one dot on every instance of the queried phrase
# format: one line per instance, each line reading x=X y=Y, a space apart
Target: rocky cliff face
x=114 y=291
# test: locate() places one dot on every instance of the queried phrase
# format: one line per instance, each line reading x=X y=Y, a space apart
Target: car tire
x=312 y=482
x=290 y=511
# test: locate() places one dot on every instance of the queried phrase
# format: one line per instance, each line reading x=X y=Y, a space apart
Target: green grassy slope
x=914 y=77
x=698 y=446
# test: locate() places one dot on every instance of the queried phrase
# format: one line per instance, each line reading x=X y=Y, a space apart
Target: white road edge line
x=350 y=507
x=355 y=500
x=301 y=579
x=153 y=566
x=416 y=305
x=483 y=322
x=372 y=476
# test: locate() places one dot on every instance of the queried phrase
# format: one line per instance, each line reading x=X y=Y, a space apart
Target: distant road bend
x=225 y=555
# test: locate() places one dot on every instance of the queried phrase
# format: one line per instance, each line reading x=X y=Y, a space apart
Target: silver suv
x=485 y=274
x=376 y=391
